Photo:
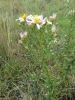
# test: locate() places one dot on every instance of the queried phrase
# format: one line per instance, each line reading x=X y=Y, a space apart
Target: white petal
x=44 y=21
x=40 y=17
x=20 y=19
x=38 y=26
x=30 y=20
x=49 y=23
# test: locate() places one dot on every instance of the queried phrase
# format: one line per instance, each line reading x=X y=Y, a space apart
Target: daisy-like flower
x=23 y=35
x=22 y=19
x=37 y=20
x=34 y=20
x=53 y=17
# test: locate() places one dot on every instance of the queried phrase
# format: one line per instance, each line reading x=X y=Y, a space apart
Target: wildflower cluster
x=36 y=20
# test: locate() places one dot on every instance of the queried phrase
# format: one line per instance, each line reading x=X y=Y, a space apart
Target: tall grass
x=38 y=69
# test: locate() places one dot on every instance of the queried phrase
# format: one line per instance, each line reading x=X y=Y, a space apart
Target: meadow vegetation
x=42 y=65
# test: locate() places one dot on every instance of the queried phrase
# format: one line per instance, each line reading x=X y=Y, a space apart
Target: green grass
x=38 y=69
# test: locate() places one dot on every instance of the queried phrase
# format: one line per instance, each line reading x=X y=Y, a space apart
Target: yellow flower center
x=24 y=16
x=36 y=20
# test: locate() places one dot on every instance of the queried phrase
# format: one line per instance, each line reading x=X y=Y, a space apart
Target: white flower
x=53 y=17
x=23 y=35
x=37 y=20
x=34 y=20
x=22 y=18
